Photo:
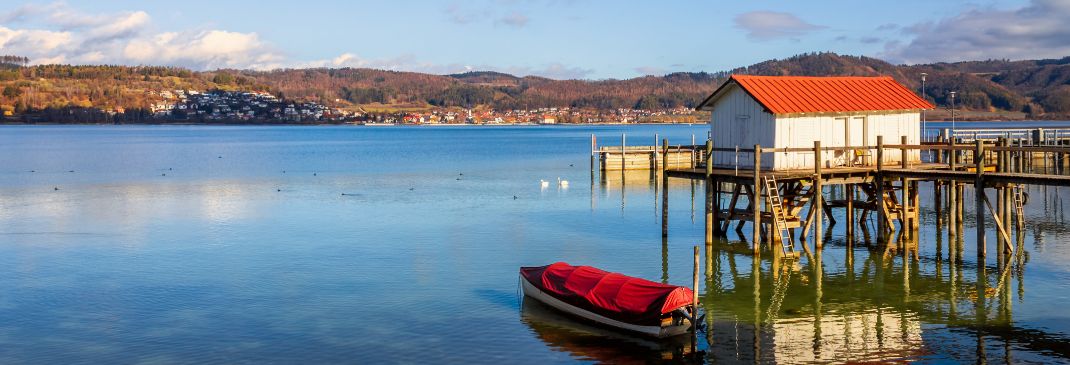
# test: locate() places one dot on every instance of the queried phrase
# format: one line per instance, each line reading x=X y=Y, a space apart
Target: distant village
x=252 y=106
x=220 y=105
x=533 y=116
x=257 y=107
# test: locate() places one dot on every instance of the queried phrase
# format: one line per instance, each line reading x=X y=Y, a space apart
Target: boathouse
x=792 y=112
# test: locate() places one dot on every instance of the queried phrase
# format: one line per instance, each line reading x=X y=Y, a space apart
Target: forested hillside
x=1039 y=88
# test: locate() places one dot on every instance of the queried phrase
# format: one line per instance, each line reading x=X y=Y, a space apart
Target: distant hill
x=1038 y=88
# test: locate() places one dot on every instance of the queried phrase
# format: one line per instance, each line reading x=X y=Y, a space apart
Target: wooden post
x=623 y=159
x=979 y=187
x=594 y=152
x=879 y=182
x=665 y=187
x=1007 y=195
x=905 y=215
x=939 y=206
x=712 y=210
x=694 y=293
x=709 y=158
x=850 y=196
x=1001 y=199
x=819 y=204
x=757 y=196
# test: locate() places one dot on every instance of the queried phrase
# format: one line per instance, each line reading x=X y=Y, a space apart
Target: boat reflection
x=588 y=342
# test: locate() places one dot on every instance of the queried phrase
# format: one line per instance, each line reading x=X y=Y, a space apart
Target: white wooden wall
x=801 y=132
x=738 y=120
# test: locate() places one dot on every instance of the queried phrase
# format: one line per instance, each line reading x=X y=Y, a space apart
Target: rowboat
x=611 y=299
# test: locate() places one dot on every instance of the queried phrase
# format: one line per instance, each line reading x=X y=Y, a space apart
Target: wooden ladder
x=780 y=219
x=1019 y=205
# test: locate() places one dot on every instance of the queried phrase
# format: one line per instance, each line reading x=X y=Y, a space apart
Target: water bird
x=514 y=197
x=313 y=174
x=458 y=179
x=411 y=189
x=278 y=189
x=163 y=174
x=544 y=184
x=571 y=165
x=562 y=183
x=169 y=169
x=55 y=188
x=71 y=171
x=33 y=170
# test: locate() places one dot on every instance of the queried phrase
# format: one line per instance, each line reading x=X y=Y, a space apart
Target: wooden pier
x=869 y=192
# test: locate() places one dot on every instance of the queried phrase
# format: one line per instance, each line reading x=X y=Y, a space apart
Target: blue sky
x=553 y=38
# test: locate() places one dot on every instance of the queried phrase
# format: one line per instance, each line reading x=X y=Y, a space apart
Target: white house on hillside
x=793 y=112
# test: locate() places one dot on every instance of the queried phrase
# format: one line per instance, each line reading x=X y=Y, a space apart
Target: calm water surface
x=401 y=245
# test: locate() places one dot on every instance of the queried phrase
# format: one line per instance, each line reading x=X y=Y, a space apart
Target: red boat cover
x=624 y=298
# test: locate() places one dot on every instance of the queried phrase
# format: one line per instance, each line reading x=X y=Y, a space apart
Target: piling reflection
x=865 y=296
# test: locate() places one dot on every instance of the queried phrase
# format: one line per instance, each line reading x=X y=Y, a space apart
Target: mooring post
x=878 y=180
x=953 y=214
x=757 y=196
x=819 y=204
x=979 y=187
x=623 y=158
x=594 y=151
x=713 y=209
x=665 y=187
x=694 y=293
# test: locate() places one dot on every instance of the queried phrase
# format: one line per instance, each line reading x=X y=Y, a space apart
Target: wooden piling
x=819 y=204
x=904 y=215
x=850 y=197
x=939 y=206
x=979 y=187
x=694 y=293
x=712 y=209
x=623 y=154
x=756 y=196
x=878 y=181
x=665 y=187
x=594 y=154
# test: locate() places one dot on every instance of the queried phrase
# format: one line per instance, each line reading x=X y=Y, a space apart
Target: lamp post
x=952 y=113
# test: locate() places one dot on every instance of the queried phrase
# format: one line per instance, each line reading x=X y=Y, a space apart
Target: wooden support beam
x=818 y=197
x=665 y=188
x=713 y=211
x=757 y=201
x=979 y=188
x=850 y=215
x=878 y=181
x=731 y=207
x=999 y=225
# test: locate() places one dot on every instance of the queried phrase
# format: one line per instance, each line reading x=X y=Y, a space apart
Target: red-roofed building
x=794 y=111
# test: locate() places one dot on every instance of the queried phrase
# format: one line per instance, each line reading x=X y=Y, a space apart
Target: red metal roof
x=807 y=94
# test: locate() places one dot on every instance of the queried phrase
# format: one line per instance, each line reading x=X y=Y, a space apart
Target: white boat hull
x=654 y=331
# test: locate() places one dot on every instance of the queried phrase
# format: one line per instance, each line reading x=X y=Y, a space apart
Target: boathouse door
x=856 y=137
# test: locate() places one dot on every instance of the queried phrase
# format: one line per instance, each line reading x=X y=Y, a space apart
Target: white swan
x=562 y=183
x=544 y=184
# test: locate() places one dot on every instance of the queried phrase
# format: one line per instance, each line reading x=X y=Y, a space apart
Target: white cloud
x=1038 y=30
x=768 y=25
x=65 y=35
x=203 y=50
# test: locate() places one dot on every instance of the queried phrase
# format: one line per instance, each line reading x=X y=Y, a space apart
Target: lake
x=199 y=244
